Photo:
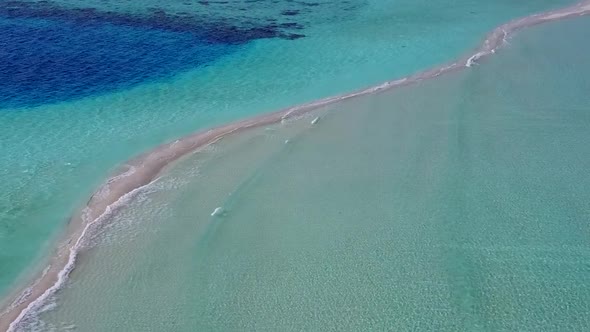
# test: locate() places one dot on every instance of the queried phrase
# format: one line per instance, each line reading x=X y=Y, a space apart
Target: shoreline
x=141 y=171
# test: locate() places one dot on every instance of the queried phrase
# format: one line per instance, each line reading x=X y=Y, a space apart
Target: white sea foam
x=105 y=189
x=472 y=59
x=505 y=37
x=48 y=306
x=39 y=303
x=69 y=327
x=22 y=297
x=109 y=233
x=26 y=293
x=217 y=212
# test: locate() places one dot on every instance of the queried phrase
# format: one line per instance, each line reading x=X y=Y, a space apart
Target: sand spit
x=140 y=172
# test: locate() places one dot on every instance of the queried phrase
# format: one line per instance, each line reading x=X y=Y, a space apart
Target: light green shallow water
x=54 y=156
x=459 y=204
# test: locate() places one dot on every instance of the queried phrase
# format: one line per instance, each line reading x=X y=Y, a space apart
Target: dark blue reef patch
x=214 y=29
x=43 y=61
x=290 y=12
x=51 y=53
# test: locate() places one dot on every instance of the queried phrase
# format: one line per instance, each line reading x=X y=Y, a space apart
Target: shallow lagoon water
x=455 y=204
x=55 y=154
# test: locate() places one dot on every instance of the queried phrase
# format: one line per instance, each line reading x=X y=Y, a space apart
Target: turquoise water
x=457 y=204
x=60 y=137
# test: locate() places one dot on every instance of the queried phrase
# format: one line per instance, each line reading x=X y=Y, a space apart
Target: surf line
x=144 y=169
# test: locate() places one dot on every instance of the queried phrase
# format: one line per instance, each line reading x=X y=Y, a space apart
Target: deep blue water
x=50 y=53
x=47 y=60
